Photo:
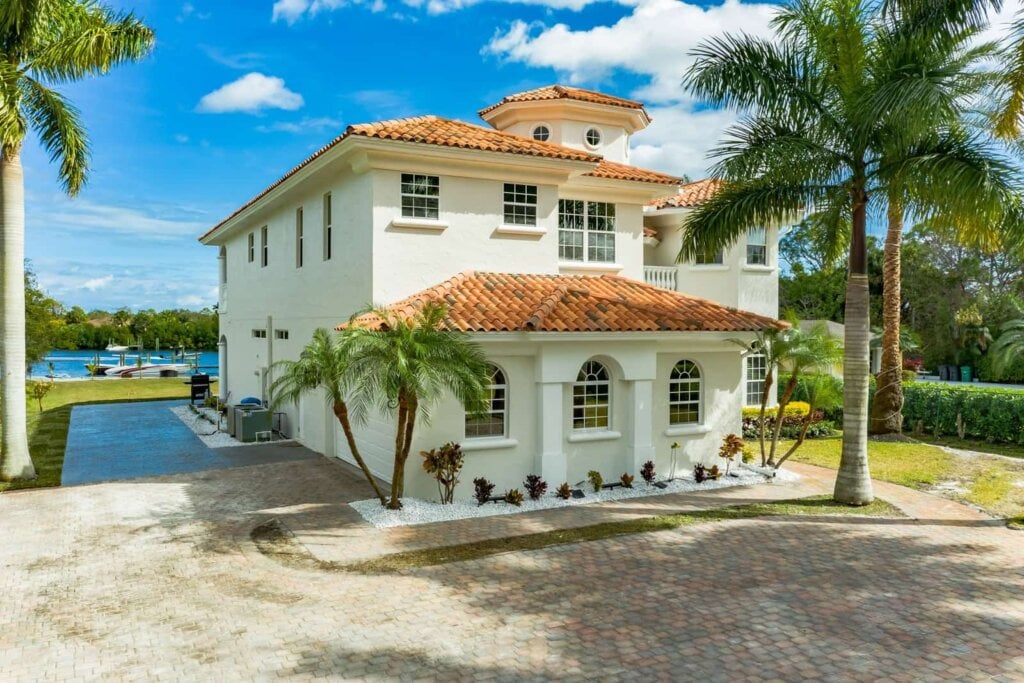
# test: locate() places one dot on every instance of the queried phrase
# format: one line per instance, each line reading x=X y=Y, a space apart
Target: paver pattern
x=145 y=439
x=154 y=579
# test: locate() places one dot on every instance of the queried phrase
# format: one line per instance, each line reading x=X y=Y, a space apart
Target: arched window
x=541 y=133
x=591 y=397
x=494 y=423
x=684 y=394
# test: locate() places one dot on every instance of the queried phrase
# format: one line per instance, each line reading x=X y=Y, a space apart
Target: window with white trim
x=586 y=231
x=541 y=133
x=520 y=204
x=591 y=397
x=328 y=218
x=259 y=334
x=300 y=238
x=252 y=247
x=421 y=196
x=264 y=247
x=494 y=423
x=757 y=370
x=709 y=258
x=685 y=394
x=757 y=247
x=592 y=137
x=281 y=334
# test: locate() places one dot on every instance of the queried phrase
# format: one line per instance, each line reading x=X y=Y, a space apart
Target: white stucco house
x=547 y=246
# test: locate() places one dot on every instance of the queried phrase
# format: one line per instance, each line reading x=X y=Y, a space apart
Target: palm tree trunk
x=410 y=425
x=853 y=483
x=15 y=461
x=341 y=412
x=887 y=411
x=799 y=439
x=768 y=381
x=398 y=470
x=787 y=395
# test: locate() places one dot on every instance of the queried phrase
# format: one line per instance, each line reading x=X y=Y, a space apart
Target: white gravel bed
x=416 y=511
x=207 y=433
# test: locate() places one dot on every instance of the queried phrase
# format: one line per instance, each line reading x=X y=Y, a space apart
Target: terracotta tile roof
x=689 y=195
x=434 y=130
x=610 y=169
x=562 y=92
x=501 y=302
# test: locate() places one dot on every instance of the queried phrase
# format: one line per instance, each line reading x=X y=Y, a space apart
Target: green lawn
x=48 y=430
x=1008 y=449
x=990 y=483
x=275 y=542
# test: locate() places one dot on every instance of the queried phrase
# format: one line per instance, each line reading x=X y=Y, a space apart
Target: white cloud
x=81 y=215
x=243 y=61
x=306 y=125
x=679 y=139
x=290 y=11
x=251 y=93
x=97 y=282
x=181 y=139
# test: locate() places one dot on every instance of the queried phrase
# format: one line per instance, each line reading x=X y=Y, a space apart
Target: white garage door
x=376 y=443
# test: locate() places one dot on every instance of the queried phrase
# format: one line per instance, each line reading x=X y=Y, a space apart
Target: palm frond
x=60 y=130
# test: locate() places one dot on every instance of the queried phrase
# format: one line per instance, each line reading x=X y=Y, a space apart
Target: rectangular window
x=299 y=238
x=259 y=334
x=328 y=227
x=708 y=258
x=757 y=368
x=280 y=334
x=420 y=195
x=252 y=247
x=757 y=247
x=520 y=204
x=586 y=231
x=264 y=247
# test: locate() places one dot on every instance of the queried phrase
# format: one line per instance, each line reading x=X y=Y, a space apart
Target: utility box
x=249 y=422
x=234 y=417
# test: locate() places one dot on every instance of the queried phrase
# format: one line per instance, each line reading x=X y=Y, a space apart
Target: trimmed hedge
x=988 y=413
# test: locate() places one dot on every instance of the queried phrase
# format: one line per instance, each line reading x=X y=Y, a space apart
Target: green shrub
x=987 y=413
x=596 y=480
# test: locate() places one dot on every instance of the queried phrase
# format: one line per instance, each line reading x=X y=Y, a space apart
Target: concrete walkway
x=145 y=439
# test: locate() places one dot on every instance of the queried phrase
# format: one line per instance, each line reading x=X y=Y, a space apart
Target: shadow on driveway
x=145 y=439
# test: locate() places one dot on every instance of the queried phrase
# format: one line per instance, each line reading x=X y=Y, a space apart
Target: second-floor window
x=264 y=247
x=586 y=231
x=252 y=247
x=328 y=227
x=300 y=238
x=421 y=195
x=520 y=204
x=709 y=257
x=757 y=247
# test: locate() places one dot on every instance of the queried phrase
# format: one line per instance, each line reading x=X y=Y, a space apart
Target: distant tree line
x=51 y=325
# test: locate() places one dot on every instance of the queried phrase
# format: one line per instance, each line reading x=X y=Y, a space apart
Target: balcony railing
x=661 y=276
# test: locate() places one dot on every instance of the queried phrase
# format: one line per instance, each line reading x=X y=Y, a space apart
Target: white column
x=553 y=465
x=641 y=443
x=222 y=368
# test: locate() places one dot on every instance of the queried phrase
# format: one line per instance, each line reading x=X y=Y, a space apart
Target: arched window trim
x=484 y=428
x=592 y=398
x=681 y=389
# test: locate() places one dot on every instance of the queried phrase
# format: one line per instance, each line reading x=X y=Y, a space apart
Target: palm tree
x=323 y=366
x=407 y=364
x=822 y=392
x=43 y=43
x=826 y=126
x=1009 y=346
x=774 y=344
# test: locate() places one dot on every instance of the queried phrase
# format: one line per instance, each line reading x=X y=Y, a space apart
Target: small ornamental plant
x=563 y=491
x=535 y=486
x=482 y=490
x=514 y=497
x=596 y=480
x=444 y=464
x=647 y=472
x=714 y=472
x=39 y=390
x=732 y=445
x=627 y=480
x=700 y=473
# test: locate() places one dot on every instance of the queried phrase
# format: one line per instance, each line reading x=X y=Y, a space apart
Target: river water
x=71 y=364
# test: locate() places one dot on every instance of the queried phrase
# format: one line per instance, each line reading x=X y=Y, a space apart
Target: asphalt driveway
x=115 y=441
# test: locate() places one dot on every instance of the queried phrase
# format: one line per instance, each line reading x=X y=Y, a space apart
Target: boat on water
x=148 y=370
x=117 y=348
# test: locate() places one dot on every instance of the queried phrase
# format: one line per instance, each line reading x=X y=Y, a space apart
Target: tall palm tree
x=322 y=366
x=821 y=119
x=407 y=364
x=1009 y=345
x=43 y=43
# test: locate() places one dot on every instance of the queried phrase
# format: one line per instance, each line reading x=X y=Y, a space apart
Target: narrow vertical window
x=757 y=369
x=494 y=423
x=420 y=196
x=264 y=247
x=684 y=394
x=299 y=238
x=328 y=227
x=520 y=204
x=757 y=247
x=252 y=247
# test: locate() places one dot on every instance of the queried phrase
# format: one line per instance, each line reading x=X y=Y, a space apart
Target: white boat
x=114 y=348
x=149 y=370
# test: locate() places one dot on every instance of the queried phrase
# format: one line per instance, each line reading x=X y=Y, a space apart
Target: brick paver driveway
x=153 y=579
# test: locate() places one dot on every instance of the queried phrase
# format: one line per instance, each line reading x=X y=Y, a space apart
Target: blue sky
x=236 y=93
